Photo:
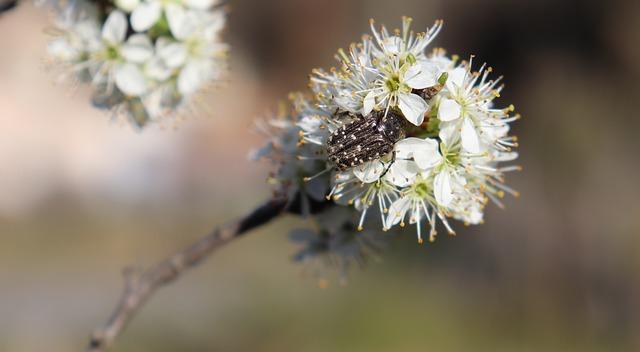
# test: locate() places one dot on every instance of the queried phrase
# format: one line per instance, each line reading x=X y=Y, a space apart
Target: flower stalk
x=140 y=286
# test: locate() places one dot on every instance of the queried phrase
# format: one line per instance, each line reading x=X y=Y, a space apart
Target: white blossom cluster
x=451 y=158
x=145 y=58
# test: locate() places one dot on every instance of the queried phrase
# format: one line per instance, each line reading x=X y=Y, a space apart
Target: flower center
x=112 y=53
x=421 y=188
x=393 y=83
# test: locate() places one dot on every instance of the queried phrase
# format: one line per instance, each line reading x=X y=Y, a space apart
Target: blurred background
x=558 y=270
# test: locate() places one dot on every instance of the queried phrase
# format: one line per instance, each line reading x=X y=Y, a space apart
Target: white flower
x=404 y=43
x=334 y=243
x=381 y=75
x=75 y=37
x=295 y=146
x=449 y=161
x=365 y=186
x=118 y=62
x=149 y=12
x=466 y=102
x=174 y=50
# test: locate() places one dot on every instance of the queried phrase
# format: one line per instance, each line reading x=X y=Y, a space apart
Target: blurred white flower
x=148 y=13
x=295 y=147
x=145 y=65
x=334 y=242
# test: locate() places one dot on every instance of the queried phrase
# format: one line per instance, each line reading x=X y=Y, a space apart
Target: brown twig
x=6 y=5
x=141 y=285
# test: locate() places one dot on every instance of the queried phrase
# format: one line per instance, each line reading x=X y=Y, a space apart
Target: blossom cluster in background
x=144 y=58
x=449 y=158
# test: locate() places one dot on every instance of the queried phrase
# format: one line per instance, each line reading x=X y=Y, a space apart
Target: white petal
x=424 y=151
x=370 y=171
x=392 y=44
x=456 y=78
x=130 y=80
x=157 y=69
x=310 y=123
x=397 y=211
x=138 y=48
x=442 y=188
x=190 y=79
x=469 y=137
x=448 y=132
x=180 y=24
x=61 y=49
x=369 y=103
x=115 y=28
x=413 y=107
x=145 y=16
x=449 y=110
x=127 y=5
x=215 y=23
x=404 y=148
x=173 y=54
x=402 y=173
x=199 y=4
x=420 y=76
x=427 y=155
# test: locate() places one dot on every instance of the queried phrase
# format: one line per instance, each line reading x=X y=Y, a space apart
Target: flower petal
x=449 y=133
x=404 y=148
x=427 y=155
x=61 y=49
x=138 y=48
x=424 y=151
x=402 y=173
x=130 y=80
x=115 y=28
x=469 y=137
x=369 y=103
x=449 y=110
x=455 y=78
x=174 y=54
x=370 y=171
x=413 y=107
x=145 y=16
x=190 y=78
x=127 y=5
x=442 y=188
x=398 y=211
x=199 y=4
x=181 y=23
x=157 y=69
x=420 y=76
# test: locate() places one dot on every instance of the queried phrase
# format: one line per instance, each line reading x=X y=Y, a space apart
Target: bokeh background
x=558 y=270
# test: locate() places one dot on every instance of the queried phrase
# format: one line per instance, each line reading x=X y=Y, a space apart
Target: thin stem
x=141 y=285
x=6 y=5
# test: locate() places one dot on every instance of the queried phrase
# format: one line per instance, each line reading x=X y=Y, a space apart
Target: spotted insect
x=366 y=138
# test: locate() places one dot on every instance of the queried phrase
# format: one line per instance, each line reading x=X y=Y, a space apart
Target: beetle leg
x=393 y=160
